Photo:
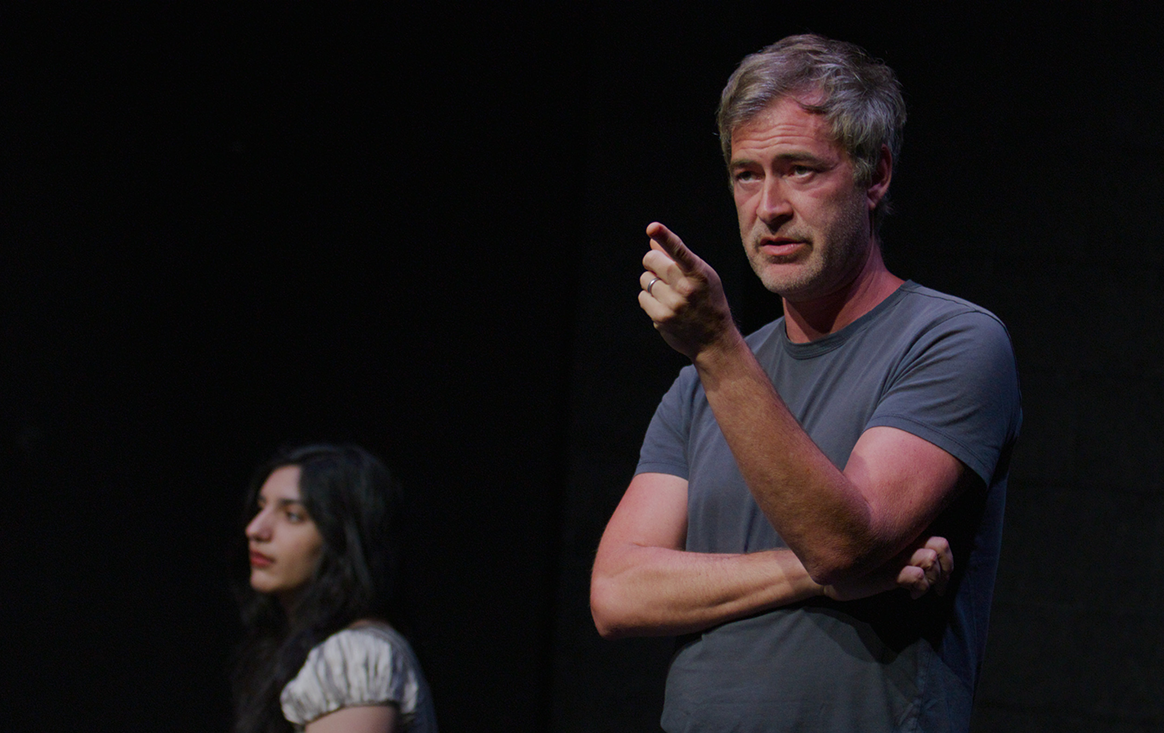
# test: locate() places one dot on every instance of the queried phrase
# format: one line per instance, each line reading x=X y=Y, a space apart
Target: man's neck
x=809 y=320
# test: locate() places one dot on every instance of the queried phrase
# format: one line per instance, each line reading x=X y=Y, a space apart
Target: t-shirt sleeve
x=350 y=668
x=958 y=389
x=665 y=445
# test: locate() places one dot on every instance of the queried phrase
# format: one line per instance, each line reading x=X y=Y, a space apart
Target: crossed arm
x=645 y=584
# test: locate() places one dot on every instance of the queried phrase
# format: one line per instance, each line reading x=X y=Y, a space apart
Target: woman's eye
x=294 y=517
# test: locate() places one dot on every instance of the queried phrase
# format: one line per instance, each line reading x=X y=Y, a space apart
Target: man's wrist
x=721 y=351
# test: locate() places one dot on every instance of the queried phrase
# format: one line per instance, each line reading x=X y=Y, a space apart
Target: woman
x=319 y=654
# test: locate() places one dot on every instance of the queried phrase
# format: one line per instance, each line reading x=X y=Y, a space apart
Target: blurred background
x=227 y=228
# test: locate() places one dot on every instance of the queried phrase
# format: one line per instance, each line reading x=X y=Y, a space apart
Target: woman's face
x=283 y=540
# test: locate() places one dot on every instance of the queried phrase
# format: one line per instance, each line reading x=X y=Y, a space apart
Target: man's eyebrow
x=796 y=156
x=801 y=156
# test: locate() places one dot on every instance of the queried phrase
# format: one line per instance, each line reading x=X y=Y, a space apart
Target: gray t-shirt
x=927 y=363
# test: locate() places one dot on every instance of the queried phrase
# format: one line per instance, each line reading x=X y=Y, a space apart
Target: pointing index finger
x=664 y=240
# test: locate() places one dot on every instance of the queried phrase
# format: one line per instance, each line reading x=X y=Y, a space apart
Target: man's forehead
x=787 y=121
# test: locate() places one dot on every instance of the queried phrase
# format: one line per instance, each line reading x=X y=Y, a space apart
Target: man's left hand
x=683 y=296
x=917 y=570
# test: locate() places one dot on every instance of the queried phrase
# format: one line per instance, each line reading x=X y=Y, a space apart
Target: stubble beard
x=828 y=259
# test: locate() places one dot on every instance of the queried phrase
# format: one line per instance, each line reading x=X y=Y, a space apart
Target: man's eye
x=801 y=170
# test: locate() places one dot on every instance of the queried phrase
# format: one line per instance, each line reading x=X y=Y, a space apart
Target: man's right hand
x=683 y=296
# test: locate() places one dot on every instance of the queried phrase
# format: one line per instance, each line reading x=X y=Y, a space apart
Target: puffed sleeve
x=353 y=667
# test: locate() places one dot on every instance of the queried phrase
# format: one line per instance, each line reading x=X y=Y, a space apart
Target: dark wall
x=229 y=229
x=226 y=230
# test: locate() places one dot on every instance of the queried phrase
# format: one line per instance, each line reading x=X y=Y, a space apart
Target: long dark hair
x=354 y=501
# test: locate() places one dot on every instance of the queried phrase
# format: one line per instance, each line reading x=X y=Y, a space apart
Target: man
x=787 y=480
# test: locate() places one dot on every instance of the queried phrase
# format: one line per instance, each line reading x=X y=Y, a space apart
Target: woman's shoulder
x=368 y=663
x=365 y=636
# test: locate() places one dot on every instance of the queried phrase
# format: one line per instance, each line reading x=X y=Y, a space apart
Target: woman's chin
x=262 y=583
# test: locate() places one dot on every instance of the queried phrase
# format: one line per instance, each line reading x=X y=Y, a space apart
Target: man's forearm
x=822 y=516
x=829 y=522
x=654 y=591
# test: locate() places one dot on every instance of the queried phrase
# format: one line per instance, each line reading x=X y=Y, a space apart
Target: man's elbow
x=835 y=566
x=607 y=628
x=608 y=609
x=825 y=575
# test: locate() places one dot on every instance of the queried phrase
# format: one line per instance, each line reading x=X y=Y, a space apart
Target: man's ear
x=879 y=183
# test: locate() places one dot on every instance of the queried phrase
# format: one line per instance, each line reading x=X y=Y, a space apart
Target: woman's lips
x=259 y=560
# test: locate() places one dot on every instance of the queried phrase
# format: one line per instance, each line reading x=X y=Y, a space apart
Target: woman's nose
x=259 y=528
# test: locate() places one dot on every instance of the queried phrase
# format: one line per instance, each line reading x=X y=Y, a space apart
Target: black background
x=227 y=228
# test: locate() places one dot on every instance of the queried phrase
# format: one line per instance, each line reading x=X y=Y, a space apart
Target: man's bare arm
x=841 y=524
x=645 y=584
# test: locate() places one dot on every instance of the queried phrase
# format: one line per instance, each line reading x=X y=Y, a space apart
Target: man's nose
x=774 y=204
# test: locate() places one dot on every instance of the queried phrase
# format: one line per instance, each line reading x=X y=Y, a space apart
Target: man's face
x=804 y=222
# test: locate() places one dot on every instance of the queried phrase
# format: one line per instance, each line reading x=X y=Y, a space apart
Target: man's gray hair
x=861 y=101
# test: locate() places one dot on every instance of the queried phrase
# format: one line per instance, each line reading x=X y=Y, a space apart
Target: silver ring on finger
x=650 y=285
